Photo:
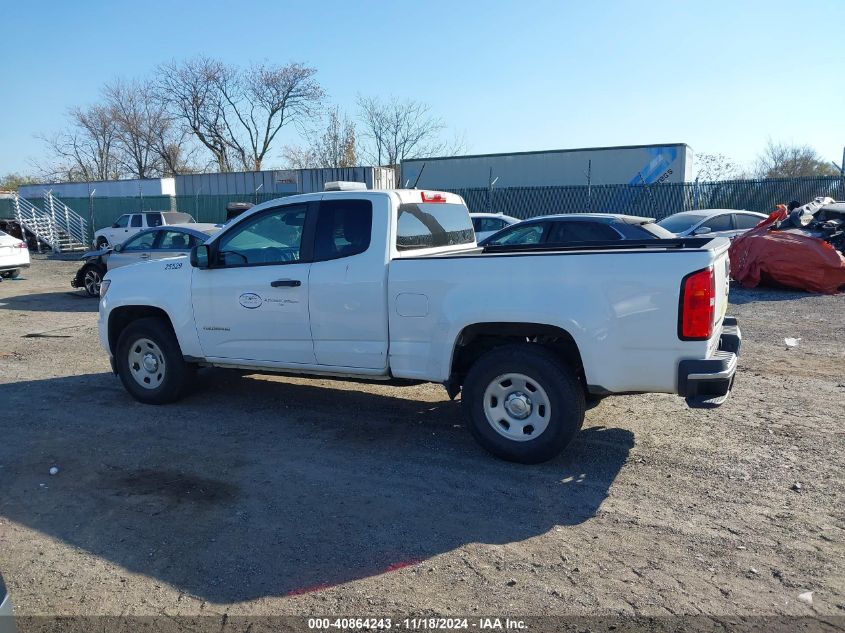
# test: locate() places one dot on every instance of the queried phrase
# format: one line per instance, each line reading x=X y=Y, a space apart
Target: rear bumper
x=707 y=383
x=4 y=266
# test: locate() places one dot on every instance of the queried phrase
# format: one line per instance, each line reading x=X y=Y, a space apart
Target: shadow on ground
x=739 y=295
x=258 y=487
x=71 y=301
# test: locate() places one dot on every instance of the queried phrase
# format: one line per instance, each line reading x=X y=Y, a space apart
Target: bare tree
x=137 y=115
x=781 y=160
x=332 y=146
x=191 y=91
x=300 y=157
x=394 y=130
x=712 y=167
x=261 y=102
x=88 y=150
x=238 y=114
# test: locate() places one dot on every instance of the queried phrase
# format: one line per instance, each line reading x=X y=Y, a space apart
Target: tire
x=150 y=363
x=536 y=397
x=92 y=277
x=12 y=274
x=102 y=243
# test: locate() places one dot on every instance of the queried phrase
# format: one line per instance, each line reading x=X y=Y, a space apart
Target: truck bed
x=620 y=246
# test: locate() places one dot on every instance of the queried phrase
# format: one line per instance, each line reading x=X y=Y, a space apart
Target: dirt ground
x=271 y=495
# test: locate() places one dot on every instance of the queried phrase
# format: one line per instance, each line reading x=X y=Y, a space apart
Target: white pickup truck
x=389 y=285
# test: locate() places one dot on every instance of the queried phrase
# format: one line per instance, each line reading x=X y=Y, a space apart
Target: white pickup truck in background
x=390 y=285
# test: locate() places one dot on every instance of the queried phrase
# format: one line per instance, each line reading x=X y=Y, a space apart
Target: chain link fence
x=655 y=201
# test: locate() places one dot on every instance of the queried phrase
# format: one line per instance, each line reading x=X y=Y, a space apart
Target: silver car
x=712 y=222
x=157 y=243
x=485 y=224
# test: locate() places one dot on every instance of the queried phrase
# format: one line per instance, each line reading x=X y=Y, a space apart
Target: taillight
x=432 y=197
x=22 y=245
x=698 y=306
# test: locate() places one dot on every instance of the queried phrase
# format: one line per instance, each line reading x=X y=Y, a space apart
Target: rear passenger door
x=744 y=222
x=173 y=244
x=347 y=285
x=720 y=225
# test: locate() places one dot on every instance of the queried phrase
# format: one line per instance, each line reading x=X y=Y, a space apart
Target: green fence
x=656 y=201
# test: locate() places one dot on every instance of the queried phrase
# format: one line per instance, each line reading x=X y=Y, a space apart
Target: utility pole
x=91 y=211
x=589 y=185
x=841 y=168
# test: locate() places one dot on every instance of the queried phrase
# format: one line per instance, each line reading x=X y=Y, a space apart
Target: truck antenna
x=422 y=169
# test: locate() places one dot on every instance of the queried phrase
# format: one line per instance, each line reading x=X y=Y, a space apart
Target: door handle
x=289 y=283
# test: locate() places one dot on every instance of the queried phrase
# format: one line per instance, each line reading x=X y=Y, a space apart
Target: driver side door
x=251 y=304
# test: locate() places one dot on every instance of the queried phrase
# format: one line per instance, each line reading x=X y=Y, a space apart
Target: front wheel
x=92 y=277
x=523 y=403
x=102 y=243
x=150 y=363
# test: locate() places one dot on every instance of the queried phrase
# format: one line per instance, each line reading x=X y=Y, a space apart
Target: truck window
x=343 y=228
x=136 y=221
x=274 y=237
x=154 y=219
x=121 y=223
x=429 y=225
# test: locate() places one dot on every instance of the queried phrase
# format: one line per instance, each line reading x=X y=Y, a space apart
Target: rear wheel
x=524 y=404
x=150 y=363
x=92 y=277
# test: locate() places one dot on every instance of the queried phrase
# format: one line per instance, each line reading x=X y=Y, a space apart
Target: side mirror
x=117 y=248
x=200 y=256
x=702 y=230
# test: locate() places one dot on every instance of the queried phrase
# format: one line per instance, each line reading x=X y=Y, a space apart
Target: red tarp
x=786 y=258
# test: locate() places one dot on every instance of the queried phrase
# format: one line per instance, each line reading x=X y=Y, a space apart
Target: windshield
x=429 y=225
x=680 y=223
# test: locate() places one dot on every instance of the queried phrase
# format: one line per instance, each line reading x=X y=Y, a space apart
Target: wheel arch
x=121 y=316
x=475 y=340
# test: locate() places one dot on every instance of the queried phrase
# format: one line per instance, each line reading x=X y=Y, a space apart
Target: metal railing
x=56 y=225
x=66 y=220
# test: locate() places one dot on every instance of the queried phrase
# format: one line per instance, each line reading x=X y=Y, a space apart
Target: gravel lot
x=271 y=495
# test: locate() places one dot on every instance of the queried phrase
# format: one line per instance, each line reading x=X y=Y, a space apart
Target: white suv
x=129 y=224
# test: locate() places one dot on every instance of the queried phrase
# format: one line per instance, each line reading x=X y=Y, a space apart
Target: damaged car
x=156 y=243
x=801 y=247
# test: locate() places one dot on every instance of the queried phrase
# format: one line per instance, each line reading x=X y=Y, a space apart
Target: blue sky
x=509 y=76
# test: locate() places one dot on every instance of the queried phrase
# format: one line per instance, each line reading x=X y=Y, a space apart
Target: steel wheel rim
x=146 y=363
x=517 y=407
x=92 y=283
